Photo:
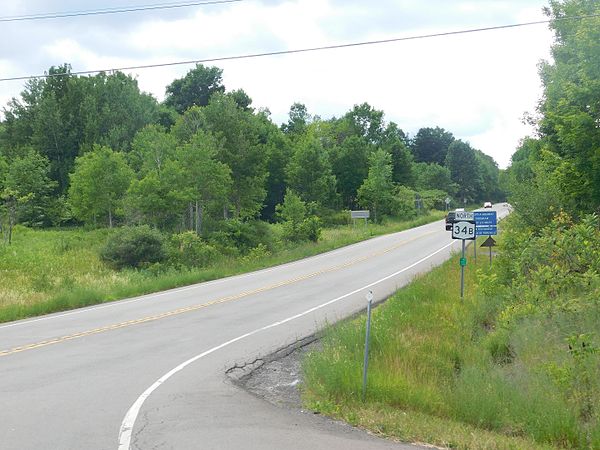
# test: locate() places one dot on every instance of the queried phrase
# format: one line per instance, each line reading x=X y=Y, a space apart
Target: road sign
x=360 y=214
x=464 y=215
x=463 y=230
x=485 y=217
x=486 y=223
x=463 y=262
x=489 y=242
x=447 y=200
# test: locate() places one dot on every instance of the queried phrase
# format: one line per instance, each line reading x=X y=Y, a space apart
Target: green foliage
x=298 y=120
x=241 y=151
x=375 y=193
x=309 y=172
x=433 y=176
x=403 y=202
x=569 y=109
x=195 y=89
x=350 y=167
x=521 y=356
x=242 y=236
x=98 y=185
x=434 y=199
x=430 y=145
x=296 y=225
x=63 y=116
x=464 y=169
x=25 y=188
x=134 y=247
x=150 y=149
x=190 y=250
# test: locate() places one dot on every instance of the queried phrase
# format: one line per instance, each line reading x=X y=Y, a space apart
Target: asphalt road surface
x=149 y=372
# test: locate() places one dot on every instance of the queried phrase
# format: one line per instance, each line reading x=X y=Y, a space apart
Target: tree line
x=95 y=150
x=558 y=169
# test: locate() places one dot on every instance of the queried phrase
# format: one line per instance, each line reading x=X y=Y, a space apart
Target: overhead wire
x=301 y=50
x=114 y=10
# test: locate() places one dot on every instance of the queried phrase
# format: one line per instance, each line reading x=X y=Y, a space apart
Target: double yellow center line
x=187 y=309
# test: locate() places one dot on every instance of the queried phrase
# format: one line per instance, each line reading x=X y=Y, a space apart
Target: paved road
x=148 y=372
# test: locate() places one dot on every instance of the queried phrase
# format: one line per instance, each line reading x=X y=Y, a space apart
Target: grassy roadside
x=46 y=271
x=438 y=372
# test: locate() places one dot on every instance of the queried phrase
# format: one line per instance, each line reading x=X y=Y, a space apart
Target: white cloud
x=476 y=85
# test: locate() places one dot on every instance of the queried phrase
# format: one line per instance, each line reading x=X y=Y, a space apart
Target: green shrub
x=134 y=247
x=310 y=229
x=190 y=250
x=242 y=235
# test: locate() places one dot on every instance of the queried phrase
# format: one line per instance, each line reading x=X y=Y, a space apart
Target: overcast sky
x=477 y=85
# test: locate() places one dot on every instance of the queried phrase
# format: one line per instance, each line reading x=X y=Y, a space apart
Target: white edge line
x=116 y=303
x=133 y=412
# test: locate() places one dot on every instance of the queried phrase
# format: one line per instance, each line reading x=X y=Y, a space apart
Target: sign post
x=489 y=242
x=464 y=229
x=363 y=214
x=367 y=338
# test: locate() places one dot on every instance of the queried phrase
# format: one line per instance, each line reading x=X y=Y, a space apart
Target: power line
x=115 y=10
x=302 y=50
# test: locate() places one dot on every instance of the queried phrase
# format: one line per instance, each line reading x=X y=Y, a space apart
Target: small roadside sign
x=489 y=242
x=360 y=214
x=464 y=230
x=464 y=215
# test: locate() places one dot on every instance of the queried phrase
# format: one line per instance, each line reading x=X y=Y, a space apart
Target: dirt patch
x=277 y=377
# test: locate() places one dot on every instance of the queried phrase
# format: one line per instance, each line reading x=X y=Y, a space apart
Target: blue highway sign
x=486 y=223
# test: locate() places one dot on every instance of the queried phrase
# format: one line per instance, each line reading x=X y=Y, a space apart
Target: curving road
x=149 y=372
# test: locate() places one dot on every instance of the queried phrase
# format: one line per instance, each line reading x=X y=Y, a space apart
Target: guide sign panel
x=486 y=223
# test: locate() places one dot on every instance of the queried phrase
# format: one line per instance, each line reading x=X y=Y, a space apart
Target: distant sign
x=489 y=242
x=463 y=230
x=486 y=223
x=360 y=214
x=464 y=215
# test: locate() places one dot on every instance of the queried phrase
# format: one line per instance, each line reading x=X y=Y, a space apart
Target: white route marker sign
x=463 y=230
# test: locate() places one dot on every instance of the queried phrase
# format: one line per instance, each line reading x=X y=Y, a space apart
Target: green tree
x=464 y=169
x=570 y=107
x=366 y=122
x=394 y=142
x=242 y=150
x=150 y=149
x=376 y=193
x=309 y=173
x=350 y=167
x=195 y=89
x=155 y=200
x=98 y=185
x=203 y=181
x=25 y=189
x=299 y=119
x=64 y=115
x=434 y=176
x=430 y=145
x=241 y=99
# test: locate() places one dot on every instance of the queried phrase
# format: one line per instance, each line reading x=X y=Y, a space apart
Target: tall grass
x=445 y=360
x=45 y=271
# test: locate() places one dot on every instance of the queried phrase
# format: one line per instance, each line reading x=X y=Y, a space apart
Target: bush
x=243 y=236
x=310 y=229
x=134 y=247
x=188 y=249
